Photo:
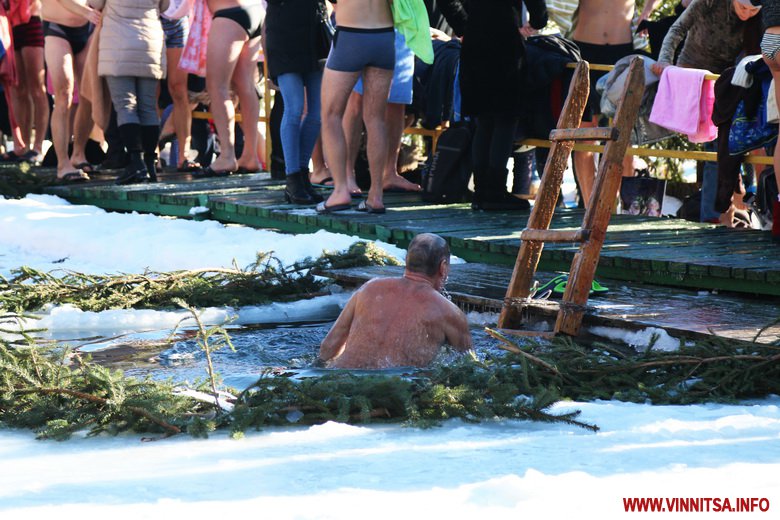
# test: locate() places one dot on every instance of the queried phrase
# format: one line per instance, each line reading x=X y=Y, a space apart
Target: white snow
x=497 y=470
x=46 y=232
x=640 y=339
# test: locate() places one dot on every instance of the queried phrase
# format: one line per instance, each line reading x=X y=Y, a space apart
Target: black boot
x=135 y=171
x=313 y=193
x=295 y=191
x=150 y=134
x=496 y=198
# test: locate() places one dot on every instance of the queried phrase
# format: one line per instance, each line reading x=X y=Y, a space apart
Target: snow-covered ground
x=496 y=470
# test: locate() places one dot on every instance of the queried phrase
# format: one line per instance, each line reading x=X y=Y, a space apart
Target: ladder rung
x=602 y=133
x=555 y=235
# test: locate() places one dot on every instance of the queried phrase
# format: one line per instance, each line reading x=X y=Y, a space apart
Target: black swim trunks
x=78 y=37
x=602 y=55
x=249 y=17
x=355 y=49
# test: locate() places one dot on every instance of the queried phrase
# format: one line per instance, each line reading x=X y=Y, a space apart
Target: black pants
x=493 y=141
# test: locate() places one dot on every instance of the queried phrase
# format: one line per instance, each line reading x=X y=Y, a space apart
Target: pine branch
x=101 y=401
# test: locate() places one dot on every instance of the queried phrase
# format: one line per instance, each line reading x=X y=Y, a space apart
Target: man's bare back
x=55 y=11
x=365 y=14
x=391 y=322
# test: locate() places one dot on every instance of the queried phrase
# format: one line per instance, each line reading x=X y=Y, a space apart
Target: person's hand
x=659 y=67
x=93 y=16
x=436 y=34
x=527 y=31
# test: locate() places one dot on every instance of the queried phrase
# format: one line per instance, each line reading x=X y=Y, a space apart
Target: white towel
x=772 y=115
x=743 y=78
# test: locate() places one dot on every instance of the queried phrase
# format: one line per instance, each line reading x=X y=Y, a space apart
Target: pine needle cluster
x=265 y=280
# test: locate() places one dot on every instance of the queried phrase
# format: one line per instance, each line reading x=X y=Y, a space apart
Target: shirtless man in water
x=603 y=34
x=391 y=322
x=364 y=44
x=67 y=27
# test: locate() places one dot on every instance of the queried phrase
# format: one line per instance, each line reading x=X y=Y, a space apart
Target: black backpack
x=447 y=173
x=766 y=192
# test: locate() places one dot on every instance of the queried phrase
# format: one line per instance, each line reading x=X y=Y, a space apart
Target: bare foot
x=397 y=183
x=224 y=165
x=319 y=176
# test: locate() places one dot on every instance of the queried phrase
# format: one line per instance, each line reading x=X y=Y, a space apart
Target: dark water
x=284 y=347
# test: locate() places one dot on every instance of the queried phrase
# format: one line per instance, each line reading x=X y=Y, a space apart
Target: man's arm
x=81 y=8
x=650 y=6
x=678 y=31
x=457 y=331
x=537 y=13
x=455 y=13
x=333 y=344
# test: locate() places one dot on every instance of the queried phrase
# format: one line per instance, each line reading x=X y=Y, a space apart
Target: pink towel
x=193 y=58
x=684 y=103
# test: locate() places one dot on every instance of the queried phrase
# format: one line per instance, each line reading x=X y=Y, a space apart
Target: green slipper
x=557 y=286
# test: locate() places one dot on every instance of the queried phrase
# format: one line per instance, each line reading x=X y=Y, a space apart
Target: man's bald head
x=425 y=254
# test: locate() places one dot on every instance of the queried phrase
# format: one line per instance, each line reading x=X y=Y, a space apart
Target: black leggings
x=493 y=141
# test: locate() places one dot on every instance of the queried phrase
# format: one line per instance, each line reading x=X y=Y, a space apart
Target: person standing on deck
x=364 y=44
x=67 y=27
x=602 y=31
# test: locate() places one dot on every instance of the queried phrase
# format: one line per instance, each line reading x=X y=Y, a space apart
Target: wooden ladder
x=594 y=225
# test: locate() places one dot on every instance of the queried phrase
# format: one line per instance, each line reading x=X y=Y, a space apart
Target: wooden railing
x=435 y=133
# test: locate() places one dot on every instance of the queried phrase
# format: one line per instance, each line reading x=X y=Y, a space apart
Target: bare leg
x=774 y=67
x=585 y=166
x=396 y=121
x=82 y=124
x=59 y=61
x=222 y=56
x=376 y=83
x=22 y=108
x=245 y=78
x=35 y=83
x=321 y=171
x=181 y=116
x=336 y=88
x=353 y=128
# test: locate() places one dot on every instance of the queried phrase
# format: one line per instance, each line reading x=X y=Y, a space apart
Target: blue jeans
x=299 y=134
x=709 y=187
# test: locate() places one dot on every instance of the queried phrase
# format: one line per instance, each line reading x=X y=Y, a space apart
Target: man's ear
x=443 y=268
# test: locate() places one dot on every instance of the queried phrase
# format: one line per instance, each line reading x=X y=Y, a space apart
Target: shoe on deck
x=557 y=286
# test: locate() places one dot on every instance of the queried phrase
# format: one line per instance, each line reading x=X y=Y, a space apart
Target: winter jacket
x=493 y=52
x=132 y=42
x=293 y=37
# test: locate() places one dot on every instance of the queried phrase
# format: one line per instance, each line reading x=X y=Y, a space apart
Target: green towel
x=411 y=18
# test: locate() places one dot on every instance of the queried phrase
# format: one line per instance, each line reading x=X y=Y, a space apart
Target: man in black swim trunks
x=603 y=33
x=67 y=26
x=364 y=44
x=232 y=57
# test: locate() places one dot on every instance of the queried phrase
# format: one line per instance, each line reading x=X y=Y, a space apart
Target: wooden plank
x=599 y=210
x=585 y=134
x=554 y=235
x=547 y=196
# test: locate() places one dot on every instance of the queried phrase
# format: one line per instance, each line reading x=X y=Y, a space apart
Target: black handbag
x=326 y=33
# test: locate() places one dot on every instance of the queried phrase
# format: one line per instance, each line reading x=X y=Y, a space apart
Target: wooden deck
x=659 y=251
x=683 y=313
